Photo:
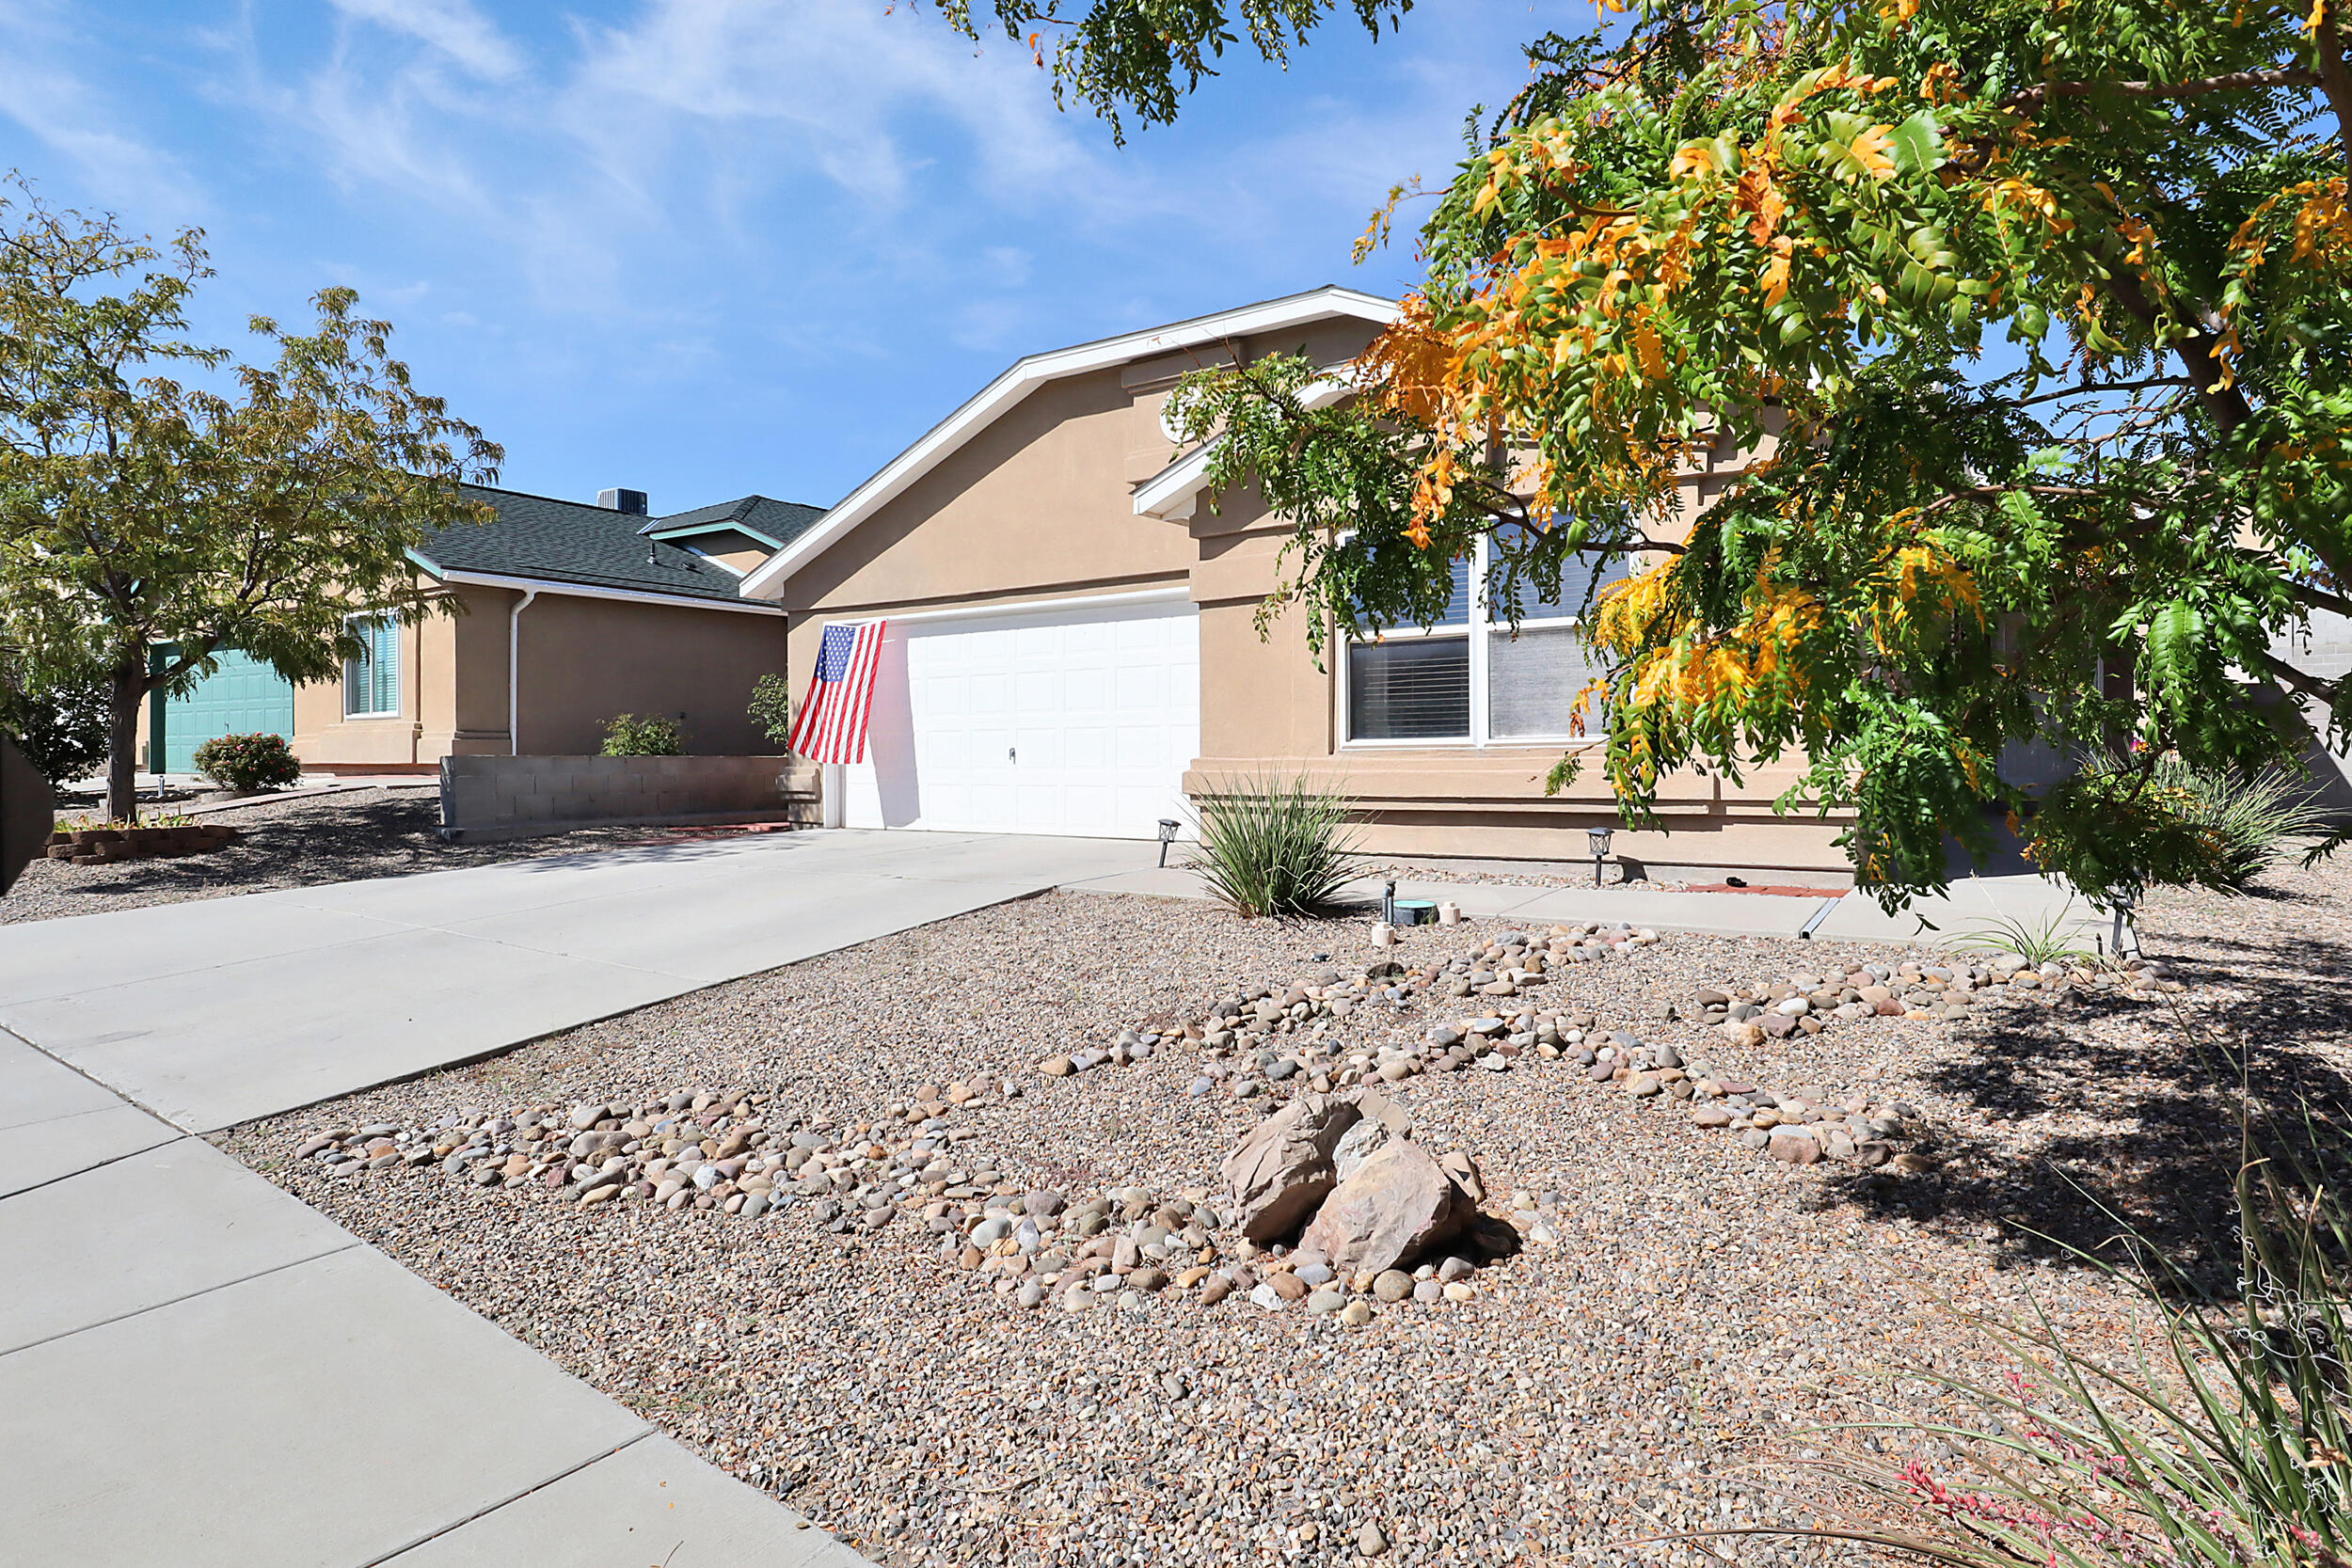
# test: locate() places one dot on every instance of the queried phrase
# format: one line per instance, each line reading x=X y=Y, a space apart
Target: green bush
x=249 y=762
x=2124 y=823
x=1274 y=847
x=772 y=710
x=61 y=729
x=628 y=736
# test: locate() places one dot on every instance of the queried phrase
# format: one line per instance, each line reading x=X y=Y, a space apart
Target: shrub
x=1270 y=848
x=249 y=762
x=2122 y=824
x=62 y=729
x=771 y=709
x=628 y=736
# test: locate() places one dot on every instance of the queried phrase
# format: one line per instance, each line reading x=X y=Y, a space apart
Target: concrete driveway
x=225 y=1010
x=295 y=1396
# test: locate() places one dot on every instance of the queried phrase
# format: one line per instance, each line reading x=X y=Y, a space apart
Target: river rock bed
x=1681 y=1311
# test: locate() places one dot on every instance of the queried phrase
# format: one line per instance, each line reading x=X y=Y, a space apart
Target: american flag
x=832 y=726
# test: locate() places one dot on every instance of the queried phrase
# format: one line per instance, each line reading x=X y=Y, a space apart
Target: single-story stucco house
x=1072 y=644
x=568 y=613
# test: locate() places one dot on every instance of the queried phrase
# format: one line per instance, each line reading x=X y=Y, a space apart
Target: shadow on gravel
x=2164 y=1166
x=333 y=840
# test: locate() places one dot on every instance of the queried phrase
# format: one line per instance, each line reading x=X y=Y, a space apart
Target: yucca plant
x=2037 y=941
x=1268 y=846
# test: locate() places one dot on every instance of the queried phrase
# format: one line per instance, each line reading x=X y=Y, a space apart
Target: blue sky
x=704 y=247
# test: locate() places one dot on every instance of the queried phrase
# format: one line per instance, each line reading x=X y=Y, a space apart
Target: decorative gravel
x=1684 y=1312
x=294 y=843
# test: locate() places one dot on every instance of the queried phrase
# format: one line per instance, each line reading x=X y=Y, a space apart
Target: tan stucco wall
x=325 y=738
x=1039 y=505
x=582 y=660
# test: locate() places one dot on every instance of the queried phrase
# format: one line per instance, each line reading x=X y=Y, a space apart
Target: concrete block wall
x=486 y=797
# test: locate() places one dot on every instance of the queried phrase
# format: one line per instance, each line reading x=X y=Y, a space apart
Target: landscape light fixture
x=1388 y=904
x=1168 y=836
x=1598 y=839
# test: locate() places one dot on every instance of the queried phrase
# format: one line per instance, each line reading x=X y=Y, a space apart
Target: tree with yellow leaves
x=2040 y=312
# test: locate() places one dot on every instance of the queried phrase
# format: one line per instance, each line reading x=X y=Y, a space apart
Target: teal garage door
x=243 y=697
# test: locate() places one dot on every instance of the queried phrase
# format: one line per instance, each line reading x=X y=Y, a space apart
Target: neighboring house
x=570 y=614
x=1073 y=644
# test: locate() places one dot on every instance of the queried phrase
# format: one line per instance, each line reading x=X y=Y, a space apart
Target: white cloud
x=51 y=101
x=451 y=27
x=843 y=86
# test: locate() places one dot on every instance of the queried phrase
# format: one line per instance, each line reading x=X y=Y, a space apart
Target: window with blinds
x=1531 y=683
x=1413 y=690
x=1470 y=677
x=372 y=678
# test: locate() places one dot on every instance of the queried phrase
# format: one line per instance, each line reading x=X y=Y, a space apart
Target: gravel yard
x=1673 y=1311
x=294 y=843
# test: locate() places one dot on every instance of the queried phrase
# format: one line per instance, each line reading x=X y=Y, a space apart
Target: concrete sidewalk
x=197 y=1369
x=1969 y=908
x=228 y=1010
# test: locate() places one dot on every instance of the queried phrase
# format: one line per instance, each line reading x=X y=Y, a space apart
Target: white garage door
x=1079 y=721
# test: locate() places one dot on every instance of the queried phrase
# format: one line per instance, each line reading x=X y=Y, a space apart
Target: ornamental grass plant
x=2220 y=1437
x=1279 y=847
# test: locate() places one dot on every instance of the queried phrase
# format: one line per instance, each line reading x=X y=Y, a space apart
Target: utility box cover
x=27 y=813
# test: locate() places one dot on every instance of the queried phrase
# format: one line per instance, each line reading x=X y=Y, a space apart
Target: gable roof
x=1274 y=315
x=544 y=539
x=773 y=523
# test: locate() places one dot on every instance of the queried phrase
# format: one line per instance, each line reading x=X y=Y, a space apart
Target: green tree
x=255 y=511
x=1141 y=57
x=2040 y=317
x=62 y=728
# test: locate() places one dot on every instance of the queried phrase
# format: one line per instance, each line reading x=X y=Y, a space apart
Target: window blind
x=1414 y=690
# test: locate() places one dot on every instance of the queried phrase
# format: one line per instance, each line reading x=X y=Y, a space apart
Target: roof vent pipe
x=632 y=502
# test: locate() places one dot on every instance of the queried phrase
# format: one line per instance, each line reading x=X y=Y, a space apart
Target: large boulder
x=1394 y=1207
x=1277 y=1174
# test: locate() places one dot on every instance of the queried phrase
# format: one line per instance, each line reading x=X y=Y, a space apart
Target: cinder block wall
x=486 y=797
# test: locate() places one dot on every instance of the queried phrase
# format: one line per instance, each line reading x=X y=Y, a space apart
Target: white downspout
x=514 y=673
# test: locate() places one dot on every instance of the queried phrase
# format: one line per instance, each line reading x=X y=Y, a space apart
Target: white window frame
x=1480 y=630
x=399 y=693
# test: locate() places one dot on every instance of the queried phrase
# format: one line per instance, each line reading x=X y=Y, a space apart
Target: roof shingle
x=538 y=536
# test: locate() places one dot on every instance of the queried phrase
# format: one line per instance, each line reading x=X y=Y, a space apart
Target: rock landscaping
x=944 y=1240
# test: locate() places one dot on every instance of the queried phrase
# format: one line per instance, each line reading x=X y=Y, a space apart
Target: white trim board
x=1275 y=316
x=1174 y=493
x=1171 y=594
x=586 y=591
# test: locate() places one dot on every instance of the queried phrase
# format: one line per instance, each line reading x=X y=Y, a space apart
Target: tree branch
x=2101 y=386
x=2319 y=598
x=2333 y=75
x=2221 y=399
x=2235 y=81
x=2309 y=685
x=1988 y=492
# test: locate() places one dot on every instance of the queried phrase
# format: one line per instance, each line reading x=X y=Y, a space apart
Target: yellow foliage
x=1695 y=158
x=1652 y=350
x=1869 y=151
x=1775 y=277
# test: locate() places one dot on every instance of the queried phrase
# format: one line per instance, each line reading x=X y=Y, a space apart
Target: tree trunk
x=122 y=751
